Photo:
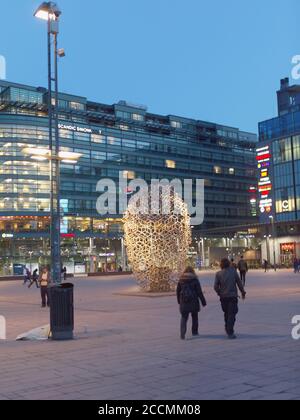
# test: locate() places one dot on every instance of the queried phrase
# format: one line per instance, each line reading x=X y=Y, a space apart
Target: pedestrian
x=298 y=267
x=233 y=264
x=243 y=269
x=266 y=265
x=189 y=292
x=44 y=281
x=34 y=279
x=27 y=275
x=65 y=273
x=295 y=264
x=226 y=283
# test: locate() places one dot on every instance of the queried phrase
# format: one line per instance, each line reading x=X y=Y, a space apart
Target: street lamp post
x=30 y=260
x=273 y=236
x=50 y=12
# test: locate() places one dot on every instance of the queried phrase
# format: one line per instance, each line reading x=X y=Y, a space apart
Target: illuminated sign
x=285 y=205
x=288 y=248
x=67 y=235
x=77 y=129
x=64 y=225
x=263 y=157
x=253 y=200
x=7 y=235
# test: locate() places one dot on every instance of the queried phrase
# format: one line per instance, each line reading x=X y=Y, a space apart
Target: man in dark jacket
x=188 y=294
x=243 y=268
x=226 y=284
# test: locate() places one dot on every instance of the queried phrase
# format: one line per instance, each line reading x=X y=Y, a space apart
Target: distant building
x=110 y=138
x=278 y=161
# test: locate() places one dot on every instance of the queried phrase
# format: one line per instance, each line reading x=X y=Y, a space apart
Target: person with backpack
x=226 y=286
x=189 y=292
x=243 y=269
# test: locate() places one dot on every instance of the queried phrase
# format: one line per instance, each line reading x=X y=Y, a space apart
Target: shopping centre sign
x=263 y=157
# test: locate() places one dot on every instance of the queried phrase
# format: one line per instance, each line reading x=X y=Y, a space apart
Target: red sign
x=288 y=248
x=67 y=235
x=263 y=157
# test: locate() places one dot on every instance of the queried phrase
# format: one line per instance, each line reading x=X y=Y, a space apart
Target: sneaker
x=196 y=335
x=43 y=306
x=232 y=337
x=182 y=337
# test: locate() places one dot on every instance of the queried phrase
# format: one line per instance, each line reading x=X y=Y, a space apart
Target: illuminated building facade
x=109 y=138
x=278 y=161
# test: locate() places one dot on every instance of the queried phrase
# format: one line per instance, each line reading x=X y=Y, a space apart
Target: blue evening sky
x=213 y=60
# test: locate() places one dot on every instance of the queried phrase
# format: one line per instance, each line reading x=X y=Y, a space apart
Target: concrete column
x=91 y=249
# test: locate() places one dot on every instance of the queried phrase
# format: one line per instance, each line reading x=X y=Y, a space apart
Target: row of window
x=41 y=133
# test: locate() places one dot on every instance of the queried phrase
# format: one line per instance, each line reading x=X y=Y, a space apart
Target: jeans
x=243 y=277
x=230 y=309
x=44 y=295
x=184 y=320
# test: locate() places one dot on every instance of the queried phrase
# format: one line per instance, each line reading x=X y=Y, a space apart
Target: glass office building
x=111 y=139
x=278 y=160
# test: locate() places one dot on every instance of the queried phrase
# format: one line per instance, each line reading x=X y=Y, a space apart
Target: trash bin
x=61 y=311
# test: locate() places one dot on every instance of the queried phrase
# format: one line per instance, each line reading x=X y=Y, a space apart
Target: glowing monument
x=157 y=244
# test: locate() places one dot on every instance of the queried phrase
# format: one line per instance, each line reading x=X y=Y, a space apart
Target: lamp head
x=48 y=11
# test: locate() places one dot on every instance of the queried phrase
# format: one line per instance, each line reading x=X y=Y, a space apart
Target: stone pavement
x=128 y=347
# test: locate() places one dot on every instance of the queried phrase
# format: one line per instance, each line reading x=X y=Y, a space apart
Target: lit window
x=171 y=164
x=176 y=124
x=217 y=170
x=98 y=138
x=113 y=141
x=77 y=106
x=231 y=171
x=129 y=174
x=137 y=117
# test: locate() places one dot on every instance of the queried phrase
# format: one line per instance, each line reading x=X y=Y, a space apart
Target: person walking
x=27 y=275
x=189 y=292
x=44 y=281
x=266 y=265
x=34 y=279
x=243 y=269
x=226 y=286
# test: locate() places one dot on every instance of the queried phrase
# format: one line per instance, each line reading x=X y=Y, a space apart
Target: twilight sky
x=213 y=60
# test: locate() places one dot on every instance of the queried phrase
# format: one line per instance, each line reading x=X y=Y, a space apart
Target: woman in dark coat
x=189 y=292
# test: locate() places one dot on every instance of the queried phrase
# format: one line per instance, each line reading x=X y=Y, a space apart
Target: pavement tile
x=129 y=348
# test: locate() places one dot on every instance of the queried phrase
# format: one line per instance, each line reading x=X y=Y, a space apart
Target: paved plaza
x=128 y=347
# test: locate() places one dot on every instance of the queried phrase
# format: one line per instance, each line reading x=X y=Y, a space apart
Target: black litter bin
x=61 y=311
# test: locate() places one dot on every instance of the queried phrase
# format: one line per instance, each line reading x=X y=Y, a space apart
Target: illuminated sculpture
x=157 y=244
